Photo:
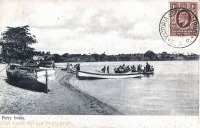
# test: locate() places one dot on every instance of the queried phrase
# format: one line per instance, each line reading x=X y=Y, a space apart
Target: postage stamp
x=182 y=21
x=179 y=26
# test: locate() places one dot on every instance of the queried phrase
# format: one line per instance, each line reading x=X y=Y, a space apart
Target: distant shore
x=63 y=99
x=147 y=56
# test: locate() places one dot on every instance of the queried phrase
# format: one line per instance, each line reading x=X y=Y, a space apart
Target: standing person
x=67 y=67
x=70 y=68
x=103 y=69
x=75 y=67
x=147 y=67
x=53 y=65
x=107 y=69
x=78 y=67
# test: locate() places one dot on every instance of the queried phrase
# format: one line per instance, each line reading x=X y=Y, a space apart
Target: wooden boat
x=147 y=73
x=46 y=64
x=28 y=76
x=89 y=75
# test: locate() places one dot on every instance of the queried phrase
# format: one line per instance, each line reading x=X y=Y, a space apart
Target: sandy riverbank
x=63 y=99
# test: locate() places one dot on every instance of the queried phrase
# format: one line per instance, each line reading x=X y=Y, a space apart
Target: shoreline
x=94 y=103
x=63 y=99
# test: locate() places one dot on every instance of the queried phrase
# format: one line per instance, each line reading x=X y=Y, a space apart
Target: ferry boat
x=29 y=76
x=90 y=75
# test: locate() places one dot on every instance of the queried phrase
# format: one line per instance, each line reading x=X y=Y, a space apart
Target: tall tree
x=16 y=41
x=150 y=54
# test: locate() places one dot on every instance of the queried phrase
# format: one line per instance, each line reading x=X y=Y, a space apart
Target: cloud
x=142 y=30
x=90 y=26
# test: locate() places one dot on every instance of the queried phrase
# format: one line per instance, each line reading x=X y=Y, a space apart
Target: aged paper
x=99 y=63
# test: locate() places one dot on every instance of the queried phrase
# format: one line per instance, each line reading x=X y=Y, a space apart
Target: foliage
x=150 y=54
x=56 y=57
x=15 y=43
x=147 y=56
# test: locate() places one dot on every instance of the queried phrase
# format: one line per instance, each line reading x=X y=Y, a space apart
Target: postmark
x=179 y=27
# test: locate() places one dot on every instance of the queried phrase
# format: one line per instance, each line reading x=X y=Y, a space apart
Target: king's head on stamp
x=183 y=19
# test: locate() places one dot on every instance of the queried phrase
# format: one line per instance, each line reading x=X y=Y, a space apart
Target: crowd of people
x=124 y=69
x=70 y=68
x=121 y=69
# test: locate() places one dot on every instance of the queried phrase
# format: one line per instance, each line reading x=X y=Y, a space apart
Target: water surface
x=172 y=90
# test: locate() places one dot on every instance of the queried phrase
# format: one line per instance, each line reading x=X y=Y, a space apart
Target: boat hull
x=146 y=73
x=88 y=75
x=34 y=80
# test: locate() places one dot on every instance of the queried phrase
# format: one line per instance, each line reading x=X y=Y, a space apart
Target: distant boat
x=34 y=76
x=43 y=62
x=147 y=73
x=89 y=75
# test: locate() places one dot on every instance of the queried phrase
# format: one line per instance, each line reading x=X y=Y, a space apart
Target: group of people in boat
x=147 y=68
x=121 y=69
x=124 y=69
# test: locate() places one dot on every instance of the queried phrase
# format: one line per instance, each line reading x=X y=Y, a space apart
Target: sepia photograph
x=99 y=57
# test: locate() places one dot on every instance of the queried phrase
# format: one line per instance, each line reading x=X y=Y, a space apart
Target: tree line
x=16 y=43
x=147 y=56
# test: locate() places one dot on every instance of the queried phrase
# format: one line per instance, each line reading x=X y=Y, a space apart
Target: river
x=172 y=90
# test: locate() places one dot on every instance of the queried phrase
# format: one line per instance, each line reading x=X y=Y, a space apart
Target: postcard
x=99 y=63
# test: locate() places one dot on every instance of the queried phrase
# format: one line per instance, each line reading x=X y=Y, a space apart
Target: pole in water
x=46 y=82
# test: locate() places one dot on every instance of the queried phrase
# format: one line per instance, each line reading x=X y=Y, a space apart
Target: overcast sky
x=91 y=26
